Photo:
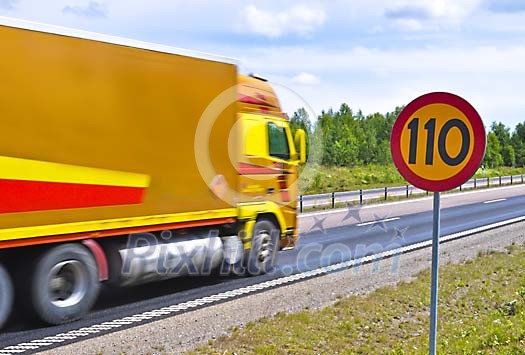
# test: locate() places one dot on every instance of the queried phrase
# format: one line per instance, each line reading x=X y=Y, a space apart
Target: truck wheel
x=6 y=295
x=65 y=284
x=262 y=254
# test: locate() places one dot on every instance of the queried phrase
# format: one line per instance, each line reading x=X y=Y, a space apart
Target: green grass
x=322 y=179
x=482 y=311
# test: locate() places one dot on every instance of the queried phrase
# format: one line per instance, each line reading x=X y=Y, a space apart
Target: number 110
x=430 y=127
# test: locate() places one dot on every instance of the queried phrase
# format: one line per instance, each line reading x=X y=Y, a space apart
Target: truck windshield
x=278 y=142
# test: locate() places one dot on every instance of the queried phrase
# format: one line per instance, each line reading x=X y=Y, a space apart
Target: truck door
x=282 y=155
x=268 y=165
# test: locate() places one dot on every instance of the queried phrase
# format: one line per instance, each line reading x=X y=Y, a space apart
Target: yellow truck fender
x=249 y=213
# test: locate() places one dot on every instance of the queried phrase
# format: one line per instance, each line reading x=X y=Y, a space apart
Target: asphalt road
x=327 y=238
x=322 y=247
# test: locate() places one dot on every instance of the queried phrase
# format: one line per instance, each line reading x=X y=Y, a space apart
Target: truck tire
x=6 y=295
x=262 y=254
x=64 y=284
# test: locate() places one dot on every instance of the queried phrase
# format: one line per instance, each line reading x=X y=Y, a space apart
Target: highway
x=392 y=229
x=328 y=237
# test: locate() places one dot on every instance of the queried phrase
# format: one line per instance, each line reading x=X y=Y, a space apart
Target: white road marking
x=178 y=308
x=493 y=201
x=311 y=214
x=380 y=221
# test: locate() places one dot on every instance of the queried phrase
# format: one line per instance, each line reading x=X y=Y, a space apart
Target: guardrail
x=362 y=196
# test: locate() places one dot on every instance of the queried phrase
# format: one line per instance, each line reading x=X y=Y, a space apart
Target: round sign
x=438 y=141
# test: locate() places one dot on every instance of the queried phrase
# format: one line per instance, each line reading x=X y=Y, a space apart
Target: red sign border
x=479 y=141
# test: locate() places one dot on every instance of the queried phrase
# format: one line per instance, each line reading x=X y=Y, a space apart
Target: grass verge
x=482 y=311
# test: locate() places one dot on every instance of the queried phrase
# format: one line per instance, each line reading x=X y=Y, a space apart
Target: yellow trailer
x=118 y=156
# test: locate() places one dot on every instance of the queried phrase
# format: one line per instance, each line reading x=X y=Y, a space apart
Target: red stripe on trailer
x=29 y=196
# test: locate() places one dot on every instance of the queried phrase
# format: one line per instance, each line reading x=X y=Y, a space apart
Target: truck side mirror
x=300 y=143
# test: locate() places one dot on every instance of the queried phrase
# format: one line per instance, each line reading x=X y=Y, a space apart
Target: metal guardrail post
x=488 y=181
x=407 y=191
x=511 y=179
x=301 y=203
x=460 y=188
x=500 y=181
x=427 y=193
x=333 y=199
x=474 y=182
x=386 y=192
x=360 y=196
x=522 y=178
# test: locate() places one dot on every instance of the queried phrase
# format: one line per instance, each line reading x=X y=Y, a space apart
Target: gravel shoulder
x=186 y=331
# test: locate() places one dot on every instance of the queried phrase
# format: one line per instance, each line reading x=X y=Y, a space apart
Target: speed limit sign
x=438 y=141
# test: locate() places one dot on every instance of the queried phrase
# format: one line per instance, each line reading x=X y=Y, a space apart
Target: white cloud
x=416 y=15
x=92 y=9
x=488 y=60
x=409 y=24
x=451 y=8
x=298 y=20
x=491 y=78
x=432 y=8
x=8 y=4
x=304 y=78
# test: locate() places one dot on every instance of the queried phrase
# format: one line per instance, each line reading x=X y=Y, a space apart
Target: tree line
x=350 y=138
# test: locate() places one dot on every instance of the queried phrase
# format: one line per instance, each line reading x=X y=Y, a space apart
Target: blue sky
x=373 y=55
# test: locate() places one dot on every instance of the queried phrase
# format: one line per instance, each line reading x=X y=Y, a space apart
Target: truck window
x=278 y=142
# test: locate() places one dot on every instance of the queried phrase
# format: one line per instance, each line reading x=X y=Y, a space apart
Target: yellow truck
x=127 y=162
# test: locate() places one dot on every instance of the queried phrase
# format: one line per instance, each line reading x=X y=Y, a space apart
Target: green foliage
x=351 y=139
x=322 y=179
x=504 y=148
x=493 y=157
x=518 y=143
x=502 y=132
x=349 y=151
x=509 y=155
x=301 y=120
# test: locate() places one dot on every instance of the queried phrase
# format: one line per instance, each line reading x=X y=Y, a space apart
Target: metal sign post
x=435 y=273
x=437 y=144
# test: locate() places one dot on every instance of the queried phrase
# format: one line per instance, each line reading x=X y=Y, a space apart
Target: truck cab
x=269 y=155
